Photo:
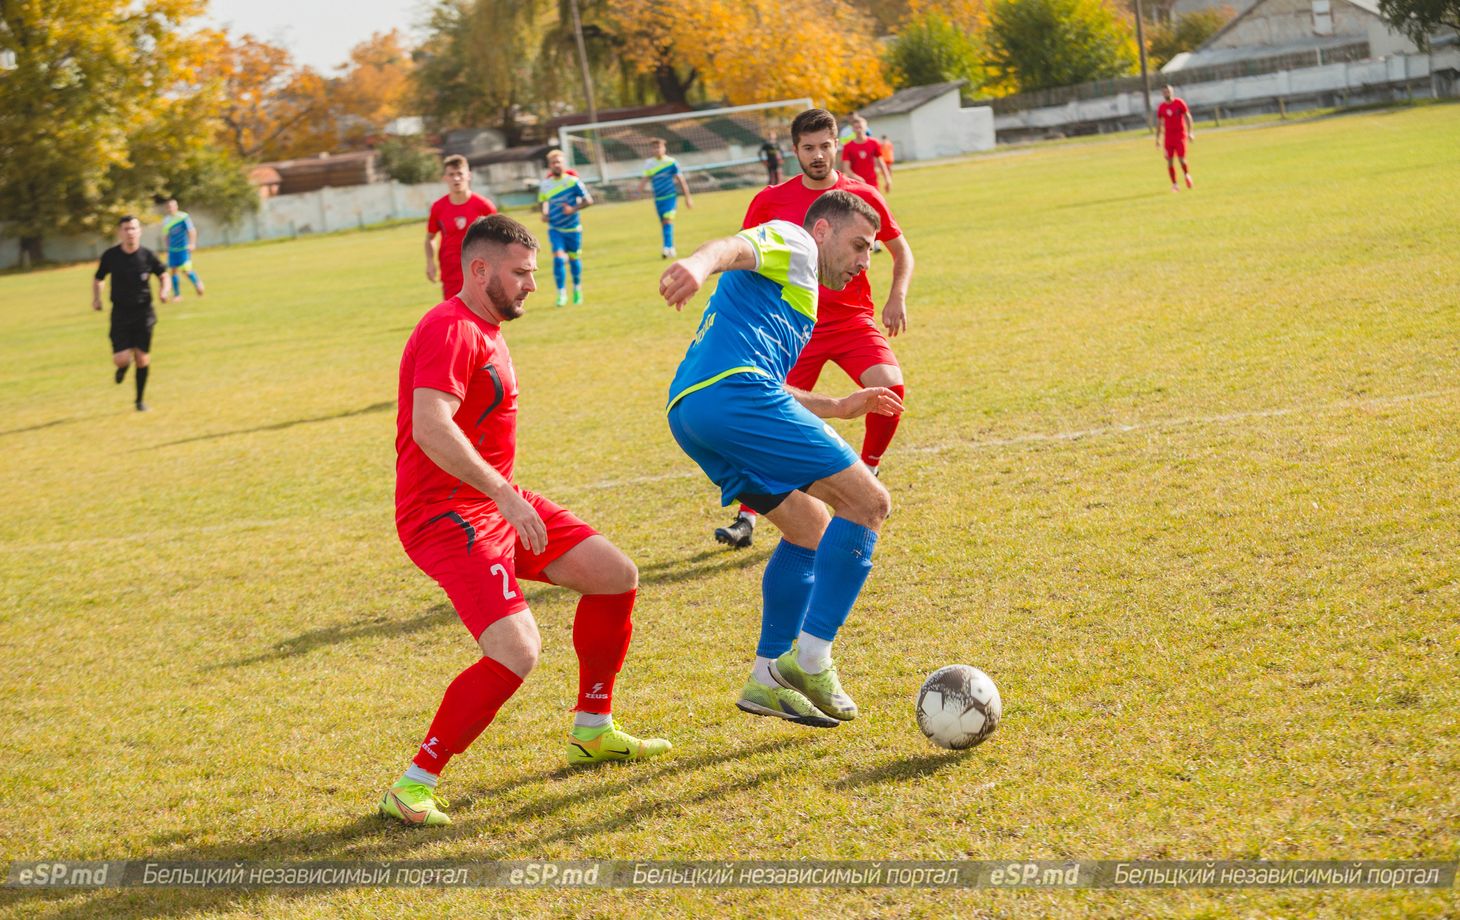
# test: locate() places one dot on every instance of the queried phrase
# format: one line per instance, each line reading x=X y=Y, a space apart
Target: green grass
x=1179 y=471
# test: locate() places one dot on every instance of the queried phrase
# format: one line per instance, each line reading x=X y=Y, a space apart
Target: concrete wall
x=942 y=128
x=1285 y=22
x=1375 y=79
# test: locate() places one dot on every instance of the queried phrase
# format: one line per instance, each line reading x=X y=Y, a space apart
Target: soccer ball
x=958 y=707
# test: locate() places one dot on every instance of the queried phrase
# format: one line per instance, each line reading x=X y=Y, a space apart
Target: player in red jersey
x=863 y=156
x=465 y=523
x=450 y=216
x=846 y=331
x=1173 y=119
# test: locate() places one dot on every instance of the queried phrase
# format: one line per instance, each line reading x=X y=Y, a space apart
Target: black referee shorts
x=132 y=335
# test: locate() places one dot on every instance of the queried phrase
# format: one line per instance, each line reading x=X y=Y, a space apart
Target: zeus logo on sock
x=428 y=745
x=595 y=693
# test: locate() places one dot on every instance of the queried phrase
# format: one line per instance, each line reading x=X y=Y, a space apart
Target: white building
x=927 y=122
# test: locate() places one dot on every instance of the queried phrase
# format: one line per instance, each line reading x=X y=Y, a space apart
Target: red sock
x=601 y=631
x=746 y=509
x=1171 y=168
x=880 y=429
x=470 y=704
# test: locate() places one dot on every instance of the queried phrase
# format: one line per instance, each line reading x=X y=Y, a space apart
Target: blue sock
x=668 y=228
x=843 y=561
x=784 y=589
x=176 y=287
x=560 y=271
x=577 y=264
x=193 y=277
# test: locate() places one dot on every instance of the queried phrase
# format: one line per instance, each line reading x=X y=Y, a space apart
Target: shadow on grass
x=1099 y=201
x=51 y=424
x=902 y=769
x=374 y=627
x=278 y=426
x=704 y=564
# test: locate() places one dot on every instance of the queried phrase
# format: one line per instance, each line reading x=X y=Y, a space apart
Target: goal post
x=717 y=148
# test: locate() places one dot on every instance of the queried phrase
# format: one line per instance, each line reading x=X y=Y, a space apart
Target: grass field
x=1180 y=471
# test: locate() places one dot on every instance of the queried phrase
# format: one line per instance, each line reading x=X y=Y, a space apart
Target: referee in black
x=132 y=267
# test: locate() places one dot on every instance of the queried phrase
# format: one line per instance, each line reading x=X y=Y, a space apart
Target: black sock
x=141 y=381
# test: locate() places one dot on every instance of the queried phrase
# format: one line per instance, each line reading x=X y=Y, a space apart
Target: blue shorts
x=666 y=206
x=751 y=437
x=182 y=259
x=565 y=240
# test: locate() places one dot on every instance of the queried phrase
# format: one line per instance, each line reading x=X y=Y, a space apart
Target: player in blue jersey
x=182 y=239
x=663 y=170
x=563 y=197
x=765 y=444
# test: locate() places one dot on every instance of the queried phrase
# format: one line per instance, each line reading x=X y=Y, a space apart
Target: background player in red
x=450 y=216
x=863 y=156
x=846 y=329
x=465 y=523
x=1173 y=119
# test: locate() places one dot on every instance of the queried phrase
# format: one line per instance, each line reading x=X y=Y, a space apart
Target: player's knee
x=872 y=506
x=142 y=359
x=625 y=578
x=514 y=643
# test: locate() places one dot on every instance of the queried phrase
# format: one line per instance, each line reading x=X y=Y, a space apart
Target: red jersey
x=1173 y=119
x=451 y=220
x=790 y=201
x=455 y=351
x=861 y=157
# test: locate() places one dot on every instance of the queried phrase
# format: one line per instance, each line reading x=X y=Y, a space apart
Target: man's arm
x=684 y=187
x=894 y=311
x=430 y=257
x=881 y=166
x=96 y=293
x=683 y=279
x=880 y=400
x=1158 y=129
x=1190 y=126
x=439 y=438
x=192 y=235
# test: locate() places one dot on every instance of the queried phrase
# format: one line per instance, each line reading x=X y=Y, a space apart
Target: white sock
x=812 y=654
x=761 y=673
x=748 y=515
x=591 y=719
x=416 y=775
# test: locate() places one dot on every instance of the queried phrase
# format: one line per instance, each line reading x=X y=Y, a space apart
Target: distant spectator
x=770 y=155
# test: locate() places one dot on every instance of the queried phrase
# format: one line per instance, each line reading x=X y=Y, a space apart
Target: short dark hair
x=127 y=218
x=837 y=206
x=811 y=121
x=497 y=230
x=455 y=159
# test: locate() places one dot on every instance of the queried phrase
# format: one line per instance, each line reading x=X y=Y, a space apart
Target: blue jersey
x=558 y=192
x=177 y=226
x=662 y=172
x=758 y=320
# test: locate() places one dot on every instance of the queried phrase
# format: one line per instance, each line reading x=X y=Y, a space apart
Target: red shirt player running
x=450 y=216
x=1173 y=119
x=863 y=156
x=846 y=331
x=465 y=523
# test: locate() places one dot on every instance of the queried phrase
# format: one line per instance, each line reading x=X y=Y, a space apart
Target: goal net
x=718 y=148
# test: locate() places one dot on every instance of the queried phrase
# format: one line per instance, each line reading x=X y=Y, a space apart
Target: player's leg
x=740 y=533
x=122 y=360
x=866 y=356
x=575 y=262
x=192 y=274
x=472 y=560
x=842 y=563
x=1185 y=170
x=587 y=562
x=1171 y=167
x=560 y=264
x=666 y=211
x=141 y=341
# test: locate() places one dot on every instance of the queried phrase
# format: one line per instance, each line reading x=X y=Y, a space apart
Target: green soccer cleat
x=562 y=298
x=600 y=745
x=824 y=690
x=415 y=804
x=577 y=296
x=781 y=703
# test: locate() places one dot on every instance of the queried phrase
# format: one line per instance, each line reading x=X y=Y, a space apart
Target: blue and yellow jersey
x=662 y=171
x=558 y=192
x=759 y=319
x=176 y=227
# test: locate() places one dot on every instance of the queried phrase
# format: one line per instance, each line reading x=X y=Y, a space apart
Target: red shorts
x=477 y=558
x=854 y=345
x=1175 y=148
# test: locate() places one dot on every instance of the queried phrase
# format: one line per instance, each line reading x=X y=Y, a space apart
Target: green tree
x=1166 y=40
x=930 y=48
x=406 y=160
x=98 y=112
x=1037 y=44
x=1419 y=19
x=476 y=64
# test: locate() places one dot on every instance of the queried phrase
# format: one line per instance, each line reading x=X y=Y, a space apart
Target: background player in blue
x=765 y=444
x=562 y=197
x=663 y=170
x=182 y=239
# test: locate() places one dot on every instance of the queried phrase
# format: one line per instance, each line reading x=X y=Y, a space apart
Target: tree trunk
x=31 y=253
x=671 y=87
